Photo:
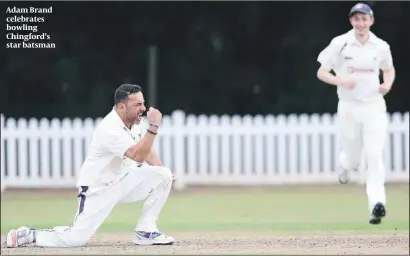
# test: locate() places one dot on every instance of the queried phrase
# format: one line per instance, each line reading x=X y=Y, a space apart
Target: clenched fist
x=154 y=116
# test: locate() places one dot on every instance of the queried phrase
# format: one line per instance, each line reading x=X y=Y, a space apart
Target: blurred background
x=211 y=57
x=243 y=106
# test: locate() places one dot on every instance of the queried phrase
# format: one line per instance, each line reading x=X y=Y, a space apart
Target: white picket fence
x=201 y=150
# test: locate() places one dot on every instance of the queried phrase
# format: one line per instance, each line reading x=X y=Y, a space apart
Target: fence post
x=178 y=130
x=3 y=154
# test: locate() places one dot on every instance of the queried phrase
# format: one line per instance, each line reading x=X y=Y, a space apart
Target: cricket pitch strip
x=246 y=242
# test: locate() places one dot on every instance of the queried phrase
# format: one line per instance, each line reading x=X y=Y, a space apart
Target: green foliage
x=248 y=57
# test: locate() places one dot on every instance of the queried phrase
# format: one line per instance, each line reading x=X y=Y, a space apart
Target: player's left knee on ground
x=79 y=241
x=64 y=237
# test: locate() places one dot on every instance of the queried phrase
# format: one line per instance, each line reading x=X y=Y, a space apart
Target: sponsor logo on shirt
x=352 y=70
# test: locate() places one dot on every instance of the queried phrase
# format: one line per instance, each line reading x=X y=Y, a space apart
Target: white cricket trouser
x=363 y=129
x=149 y=183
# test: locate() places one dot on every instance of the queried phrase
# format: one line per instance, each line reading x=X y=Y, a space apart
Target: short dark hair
x=122 y=92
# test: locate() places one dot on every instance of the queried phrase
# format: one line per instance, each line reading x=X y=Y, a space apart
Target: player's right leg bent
x=93 y=209
x=154 y=186
x=351 y=141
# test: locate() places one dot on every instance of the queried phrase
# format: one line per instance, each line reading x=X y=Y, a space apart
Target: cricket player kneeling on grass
x=357 y=57
x=121 y=167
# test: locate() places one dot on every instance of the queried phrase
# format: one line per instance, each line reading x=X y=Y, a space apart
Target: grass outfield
x=280 y=209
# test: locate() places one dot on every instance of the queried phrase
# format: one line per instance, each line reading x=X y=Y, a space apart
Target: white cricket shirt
x=105 y=161
x=347 y=57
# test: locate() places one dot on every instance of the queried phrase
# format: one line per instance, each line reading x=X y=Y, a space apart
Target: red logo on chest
x=352 y=70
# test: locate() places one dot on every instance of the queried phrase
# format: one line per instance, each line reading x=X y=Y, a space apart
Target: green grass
x=282 y=208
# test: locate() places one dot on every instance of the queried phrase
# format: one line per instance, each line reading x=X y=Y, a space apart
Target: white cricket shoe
x=152 y=238
x=19 y=237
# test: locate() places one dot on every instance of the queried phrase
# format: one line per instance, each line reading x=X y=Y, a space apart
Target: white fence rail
x=201 y=150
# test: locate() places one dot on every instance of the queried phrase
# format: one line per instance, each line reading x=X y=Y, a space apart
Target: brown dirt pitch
x=345 y=242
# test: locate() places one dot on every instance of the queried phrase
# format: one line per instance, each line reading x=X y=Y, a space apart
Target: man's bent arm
x=388 y=76
x=140 y=151
x=153 y=159
x=327 y=77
